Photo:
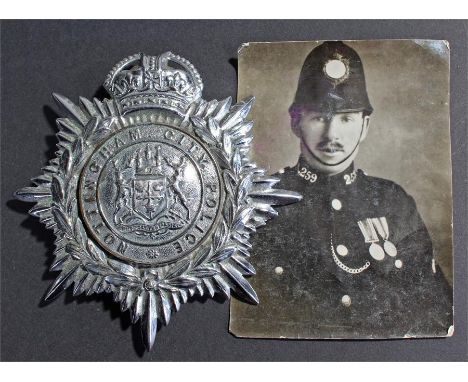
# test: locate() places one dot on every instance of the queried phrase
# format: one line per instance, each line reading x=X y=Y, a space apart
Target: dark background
x=73 y=58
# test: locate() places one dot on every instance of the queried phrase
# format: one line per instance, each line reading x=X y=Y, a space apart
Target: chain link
x=341 y=265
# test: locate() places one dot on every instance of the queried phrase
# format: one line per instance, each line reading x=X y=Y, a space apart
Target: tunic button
x=336 y=204
x=279 y=270
x=346 y=300
x=398 y=263
x=342 y=250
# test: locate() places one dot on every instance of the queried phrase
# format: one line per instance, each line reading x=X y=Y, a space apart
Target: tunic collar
x=312 y=176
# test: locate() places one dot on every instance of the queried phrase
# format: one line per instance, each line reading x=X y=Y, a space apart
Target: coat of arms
x=148 y=197
x=152 y=195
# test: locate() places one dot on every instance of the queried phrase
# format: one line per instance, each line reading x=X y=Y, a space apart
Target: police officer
x=353 y=259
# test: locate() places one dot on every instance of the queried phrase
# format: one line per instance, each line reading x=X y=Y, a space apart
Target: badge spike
x=60 y=284
x=151 y=324
x=71 y=108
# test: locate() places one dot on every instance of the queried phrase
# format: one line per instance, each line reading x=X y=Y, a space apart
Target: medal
x=152 y=196
x=376 y=251
x=382 y=227
x=390 y=248
x=370 y=236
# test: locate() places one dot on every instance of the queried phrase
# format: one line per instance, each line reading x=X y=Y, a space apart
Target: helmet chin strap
x=340 y=162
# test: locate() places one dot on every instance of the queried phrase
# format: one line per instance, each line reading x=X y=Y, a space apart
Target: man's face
x=331 y=139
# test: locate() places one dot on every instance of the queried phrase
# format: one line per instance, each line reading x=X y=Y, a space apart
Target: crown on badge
x=166 y=81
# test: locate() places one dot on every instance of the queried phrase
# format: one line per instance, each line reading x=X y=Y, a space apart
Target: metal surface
x=152 y=195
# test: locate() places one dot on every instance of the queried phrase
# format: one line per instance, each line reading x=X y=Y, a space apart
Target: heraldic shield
x=152 y=195
x=149 y=196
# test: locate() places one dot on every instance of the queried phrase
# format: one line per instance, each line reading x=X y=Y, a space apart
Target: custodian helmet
x=332 y=80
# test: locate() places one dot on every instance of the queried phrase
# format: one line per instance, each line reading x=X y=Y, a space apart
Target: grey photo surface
x=361 y=129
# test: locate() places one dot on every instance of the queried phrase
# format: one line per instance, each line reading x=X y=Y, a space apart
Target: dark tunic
x=305 y=293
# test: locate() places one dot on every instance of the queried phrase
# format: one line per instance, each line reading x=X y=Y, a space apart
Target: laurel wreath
x=154 y=292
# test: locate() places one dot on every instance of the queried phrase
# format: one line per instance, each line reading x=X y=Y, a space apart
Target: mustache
x=330 y=145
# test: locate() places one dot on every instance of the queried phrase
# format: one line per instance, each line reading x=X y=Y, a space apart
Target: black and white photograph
x=361 y=130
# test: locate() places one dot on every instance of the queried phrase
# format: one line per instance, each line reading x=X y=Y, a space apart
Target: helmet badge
x=336 y=69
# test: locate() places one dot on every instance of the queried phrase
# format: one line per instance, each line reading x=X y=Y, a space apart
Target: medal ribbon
x=382 y=227
x=368 y=231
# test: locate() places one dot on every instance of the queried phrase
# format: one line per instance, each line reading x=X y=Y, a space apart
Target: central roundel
x=150 y=194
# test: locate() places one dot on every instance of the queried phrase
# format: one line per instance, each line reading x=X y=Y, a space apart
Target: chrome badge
x=152 y=195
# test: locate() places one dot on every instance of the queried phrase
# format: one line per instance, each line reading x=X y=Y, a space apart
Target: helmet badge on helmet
x=337 y=69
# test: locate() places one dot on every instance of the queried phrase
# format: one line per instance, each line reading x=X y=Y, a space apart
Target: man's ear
x=365 y=127
x=295 y=112
x=295 y=127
